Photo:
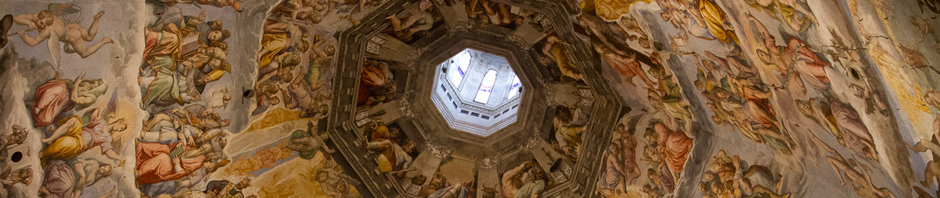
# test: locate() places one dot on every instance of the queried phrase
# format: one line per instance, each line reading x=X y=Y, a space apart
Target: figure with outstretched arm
x=554 y=48
x=86 y=92
x=768 y=41
x=319 y=58
x=71 y=137
x=793 y=59
x=300 y=94
x=419 y=20
x=298 y=91
x=44 y=22
x=74 y=35
x=307 y=143
x=35 y=21
x=512 y=181
x=274 y=42
x=625 y=64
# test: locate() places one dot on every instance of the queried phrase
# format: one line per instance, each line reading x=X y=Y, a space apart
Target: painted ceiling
x=343 y=98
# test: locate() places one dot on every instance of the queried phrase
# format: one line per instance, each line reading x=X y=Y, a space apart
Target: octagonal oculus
x=477 y=92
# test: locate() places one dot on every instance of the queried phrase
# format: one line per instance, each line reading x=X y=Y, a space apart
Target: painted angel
x=53 y=29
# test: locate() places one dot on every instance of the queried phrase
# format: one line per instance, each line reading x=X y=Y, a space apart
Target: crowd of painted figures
x=761 y=56
x=182 y=139
x=611 y=40
x=485 y=12
x=295 y=73
x=62 y=109
x=294 y=61
x=739 y=91
x=184 y=54
x=732 y=177
x=659 y=150
x=664 y=153
x=59 y=27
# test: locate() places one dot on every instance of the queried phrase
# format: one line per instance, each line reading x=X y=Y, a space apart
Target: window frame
x=514 y=87
x=460 y=71
x=488 y=78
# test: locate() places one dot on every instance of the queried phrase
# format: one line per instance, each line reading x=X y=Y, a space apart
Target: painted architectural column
x=487 y=177
x=386 y=47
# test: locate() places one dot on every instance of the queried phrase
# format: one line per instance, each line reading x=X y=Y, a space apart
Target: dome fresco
x=469 y=98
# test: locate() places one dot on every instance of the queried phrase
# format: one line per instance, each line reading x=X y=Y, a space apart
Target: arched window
x=486 y=87
x=514 y=87
x=462 y=62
